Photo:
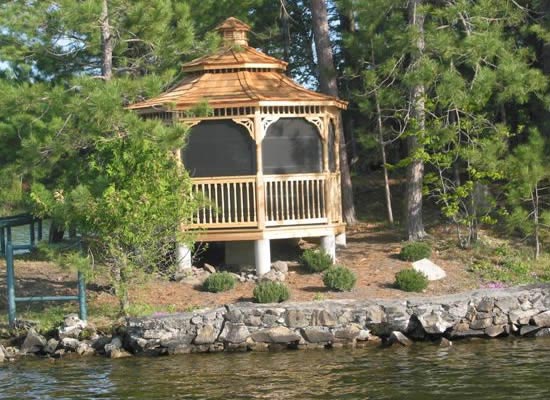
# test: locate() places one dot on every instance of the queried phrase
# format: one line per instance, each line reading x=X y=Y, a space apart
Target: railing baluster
x=209 y=203
x=241 y=192
x=222 y=193
x=247 y=186
x=276 y=184
x=254 y=203
x=291 y=200
x=285 y=214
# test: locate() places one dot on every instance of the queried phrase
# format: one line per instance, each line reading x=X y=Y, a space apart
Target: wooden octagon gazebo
x=265 y=157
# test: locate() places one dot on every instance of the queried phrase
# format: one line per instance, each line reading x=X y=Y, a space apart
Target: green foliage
x=527 y=194
x=415 y=251
x=271 y=292
x=339 y=278
x=315 y=260
x=411 y=280
x=219 y=282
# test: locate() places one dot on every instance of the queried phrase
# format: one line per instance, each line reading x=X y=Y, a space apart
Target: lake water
x=483 y=369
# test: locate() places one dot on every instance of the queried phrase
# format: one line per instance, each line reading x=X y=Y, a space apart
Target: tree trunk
x=415 y=170
x=106 y=43
x=387 y=191
x=328 y=85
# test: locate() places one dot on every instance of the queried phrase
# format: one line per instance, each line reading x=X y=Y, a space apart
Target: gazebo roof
x=236 y=75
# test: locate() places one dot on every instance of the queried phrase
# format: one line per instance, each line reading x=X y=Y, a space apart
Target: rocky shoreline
x=521 y=311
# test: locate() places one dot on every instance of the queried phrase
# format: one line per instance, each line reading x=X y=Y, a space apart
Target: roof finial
x=234 y=32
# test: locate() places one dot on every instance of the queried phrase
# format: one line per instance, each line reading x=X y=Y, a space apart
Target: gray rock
x=481 y=323
x=542 y=320
x=279 y=334
x=84 y=349
x=375 y=315
x=51 y=346
x=2 y=354
x=118 y=353
x=486 y=305
x=398 y=337
x=507 y=304
x=522 y=317
x=544 y=332
x=434 y=323
x=296 y=319
x=100 y=343
x=234 y=333
x=444 y=342
x=113 y=347
x=72 y=327
x=176 y=339
x=206 y=335
x=432 y=271
x=273 y=276
x=280 y=266
x=347 y=333
x=325 y=318
x=317 y=335
x=528 y=330
x=364 y=334
x=34 y=342
x=70 y=343
x=211 y=269
x=494 y=330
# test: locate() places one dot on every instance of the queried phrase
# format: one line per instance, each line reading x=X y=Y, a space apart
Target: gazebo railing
x=228 y=201
x=297 y=199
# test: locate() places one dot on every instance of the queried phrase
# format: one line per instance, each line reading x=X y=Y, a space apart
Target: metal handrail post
x=10 y=283
x=83 y=311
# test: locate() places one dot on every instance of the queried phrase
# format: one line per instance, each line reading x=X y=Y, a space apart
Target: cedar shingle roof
x=234 y=76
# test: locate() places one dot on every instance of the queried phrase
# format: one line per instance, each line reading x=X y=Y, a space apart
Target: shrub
x=415 y=251
x=316 y=260
x=411 y=280
x=219 y=282
x=271 y=292
x=339 y=278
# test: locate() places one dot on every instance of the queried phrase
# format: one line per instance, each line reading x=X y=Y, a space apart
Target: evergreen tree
x=528 y=190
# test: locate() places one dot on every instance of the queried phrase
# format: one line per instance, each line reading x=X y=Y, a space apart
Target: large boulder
x=317 y=335
x=432 y=271
x=398 y=337
x=280 y=266
x=234 y=333
x=34 y=342
x=207 y=334
x=279 y=334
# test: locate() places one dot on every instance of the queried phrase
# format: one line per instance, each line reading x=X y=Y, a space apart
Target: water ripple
x=495 y=370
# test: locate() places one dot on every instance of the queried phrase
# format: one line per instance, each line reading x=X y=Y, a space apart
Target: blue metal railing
x=7 y=248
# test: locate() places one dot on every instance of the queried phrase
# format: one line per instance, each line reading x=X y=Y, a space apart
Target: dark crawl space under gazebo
x=266 y=156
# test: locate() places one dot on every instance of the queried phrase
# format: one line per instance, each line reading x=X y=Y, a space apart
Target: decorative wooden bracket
x=248 y=123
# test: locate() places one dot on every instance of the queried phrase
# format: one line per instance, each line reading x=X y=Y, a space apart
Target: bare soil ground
x=371 y=253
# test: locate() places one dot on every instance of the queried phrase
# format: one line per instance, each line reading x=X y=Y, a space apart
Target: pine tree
x=528 y=190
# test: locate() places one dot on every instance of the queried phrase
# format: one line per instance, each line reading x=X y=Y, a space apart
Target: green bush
x=271 y=292
x=415 y=251
x=219 y=282
x=411 y=280
x=339 y=278
x=315 y=260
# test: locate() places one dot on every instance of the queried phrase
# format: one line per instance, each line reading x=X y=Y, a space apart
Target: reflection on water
x=497 y=369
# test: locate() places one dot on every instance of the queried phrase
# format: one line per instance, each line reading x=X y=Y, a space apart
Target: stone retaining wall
x=335 y=323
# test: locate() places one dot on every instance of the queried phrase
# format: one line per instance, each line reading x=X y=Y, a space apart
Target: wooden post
x=260 y=193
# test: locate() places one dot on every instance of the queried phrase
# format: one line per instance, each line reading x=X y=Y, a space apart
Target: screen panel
x=290 y=146
x=219 y=148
